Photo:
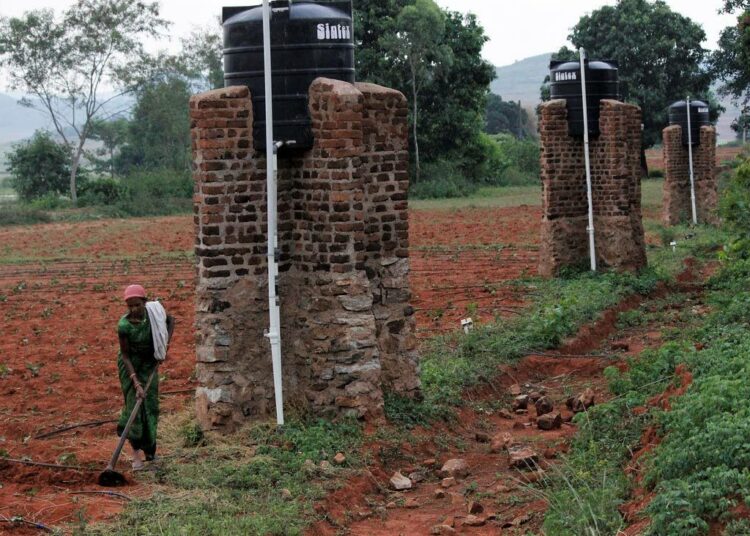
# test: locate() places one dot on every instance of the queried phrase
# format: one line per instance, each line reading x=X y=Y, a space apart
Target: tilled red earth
x=60 y=288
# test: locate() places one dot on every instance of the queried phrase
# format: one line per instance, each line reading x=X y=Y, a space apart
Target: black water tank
x=601 y=83
x=308 y=40
x=699 y=117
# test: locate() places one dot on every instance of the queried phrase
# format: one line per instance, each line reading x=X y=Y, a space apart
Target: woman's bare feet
x=138 y=458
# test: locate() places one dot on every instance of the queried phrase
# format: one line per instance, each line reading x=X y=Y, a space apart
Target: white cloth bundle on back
x=157 y=317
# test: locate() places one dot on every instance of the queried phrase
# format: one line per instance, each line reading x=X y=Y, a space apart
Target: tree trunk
x=74 y=173
x=112 y=163
x=414 y=113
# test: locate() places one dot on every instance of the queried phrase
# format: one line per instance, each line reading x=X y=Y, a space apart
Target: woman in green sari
x=135 y=363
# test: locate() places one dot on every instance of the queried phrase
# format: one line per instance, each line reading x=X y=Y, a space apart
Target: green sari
x=142 y=435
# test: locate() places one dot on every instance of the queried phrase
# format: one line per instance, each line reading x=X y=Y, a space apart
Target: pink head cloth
x=135 y=291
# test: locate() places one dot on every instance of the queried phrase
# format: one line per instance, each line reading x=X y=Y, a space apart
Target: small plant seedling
x=33 y=368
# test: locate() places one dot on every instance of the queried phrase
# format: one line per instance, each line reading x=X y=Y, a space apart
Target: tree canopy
x=731 y=61
x=451 y=99
x=63 y=63
x=660 y=54
x=38 y=167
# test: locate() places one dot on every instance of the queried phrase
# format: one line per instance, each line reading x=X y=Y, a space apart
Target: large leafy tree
x=660 y=54
x=38 y=167
x=731 y=62
x=65 y=63
x=507 y=117
x=417 y=47
x=451 y=102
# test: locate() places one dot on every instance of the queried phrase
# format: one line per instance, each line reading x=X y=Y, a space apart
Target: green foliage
x=159 y=132
x=192 y=435
x=101 y=192
x=38 y=167
x=507 y=117
x=441 y=179
x=660 y=54
x=734 y=208
x=521 y=158
x=655 y=173
x=13 y=214
x=450 y=114
x=63 y=62
x=731 y=61
x=112 y=134
x=152 y=193
x=217 y=490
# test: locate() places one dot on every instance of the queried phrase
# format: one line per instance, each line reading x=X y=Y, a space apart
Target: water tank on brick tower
x=601 y=83
x=308 y=40
x=699 y=117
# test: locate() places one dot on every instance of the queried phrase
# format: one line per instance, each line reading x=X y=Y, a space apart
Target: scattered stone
x=339 y=458
x=391 y=505
x=286 y=494
x=549 y=421
x=523 y=458
x=442 y=529
x=521 y=411
x=418 y=476
x=520 y=402
x=439 y=494
x=621 y=346
x=411 y=503
x=505 y=414
x=535 y=395
x=448 y=482
x=582 y=402
x=515 y=389
x=501 y=442
x=482 y=437
x=474 y=521
x=430 y=462
x=456 y=467
x=550 y=454
x=399 y=482
x=543 y=406
x=475 y=507
x=325 y=465
x=518 y=426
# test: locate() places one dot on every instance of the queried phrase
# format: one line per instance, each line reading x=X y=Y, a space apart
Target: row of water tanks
x=313 y=39
x=602 y=83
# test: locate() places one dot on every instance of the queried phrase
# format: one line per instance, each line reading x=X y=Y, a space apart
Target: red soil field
x=655 y=157
x=60 y=299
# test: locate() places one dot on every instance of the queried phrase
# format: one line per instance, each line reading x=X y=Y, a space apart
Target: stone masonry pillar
x=677 y=203
x=347 y=326
x=616 y=186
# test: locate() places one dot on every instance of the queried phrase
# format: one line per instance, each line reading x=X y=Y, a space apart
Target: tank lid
x=596 y=65
x=693 y=104
x=303 y=10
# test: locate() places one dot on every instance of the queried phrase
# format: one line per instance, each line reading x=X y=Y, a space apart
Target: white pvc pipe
x=274 y=331
x=690 y=159
x=589 y=193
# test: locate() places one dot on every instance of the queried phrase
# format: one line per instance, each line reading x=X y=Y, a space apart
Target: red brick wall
x=347 y=327
x=615 y=170
x=677 y=201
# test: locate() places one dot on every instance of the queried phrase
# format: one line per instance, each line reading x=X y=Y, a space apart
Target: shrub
x=100 y=192
x=12 y=214
x=734 y=208
x=153 y=193
x=655 y=173
x=441 y=179
x=38 y=167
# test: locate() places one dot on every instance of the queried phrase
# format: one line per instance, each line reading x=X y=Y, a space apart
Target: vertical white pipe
x=690 y=159
x=590 y=229
x=274 y=331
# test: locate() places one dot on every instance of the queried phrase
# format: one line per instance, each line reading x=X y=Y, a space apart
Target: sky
x=517 y=29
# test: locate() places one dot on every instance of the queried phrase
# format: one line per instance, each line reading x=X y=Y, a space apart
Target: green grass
x=233 y=485
x=701 y=468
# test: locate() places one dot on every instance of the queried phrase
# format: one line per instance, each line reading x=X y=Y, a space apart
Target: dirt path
x=494 y=497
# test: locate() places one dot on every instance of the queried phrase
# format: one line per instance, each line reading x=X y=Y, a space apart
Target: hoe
x=109 y=477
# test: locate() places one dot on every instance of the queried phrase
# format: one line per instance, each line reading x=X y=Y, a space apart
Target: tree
x=509 y=117
x=38 y=167
x=659 y=53
x=201 y=58
x=112 y=134
x=731 y=61
x=159 y=131
x=418 y=46
x=64 y=63
x=741 y=125
x=373 y=20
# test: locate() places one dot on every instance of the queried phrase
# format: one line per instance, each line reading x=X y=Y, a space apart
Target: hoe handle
x=124 y=436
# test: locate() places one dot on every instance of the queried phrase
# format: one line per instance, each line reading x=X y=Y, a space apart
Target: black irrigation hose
x=17 y=520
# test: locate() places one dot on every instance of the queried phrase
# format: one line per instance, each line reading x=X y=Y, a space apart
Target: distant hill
x=18 y=122
x=522 y=79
